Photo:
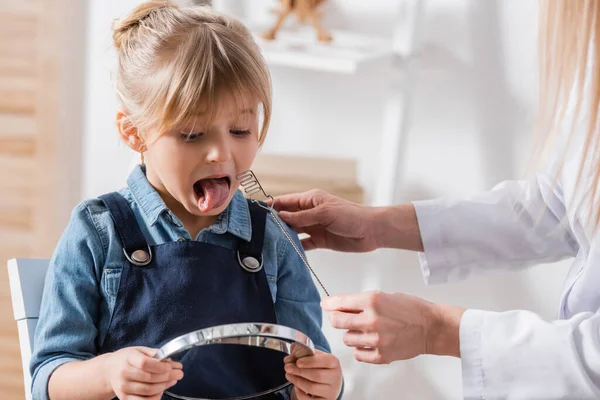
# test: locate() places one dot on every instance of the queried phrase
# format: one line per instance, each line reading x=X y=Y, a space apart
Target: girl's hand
x=134 y=374
x=315 y=377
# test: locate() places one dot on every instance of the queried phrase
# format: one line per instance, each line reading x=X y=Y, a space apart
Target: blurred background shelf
x=283 y=174
x=349 y=52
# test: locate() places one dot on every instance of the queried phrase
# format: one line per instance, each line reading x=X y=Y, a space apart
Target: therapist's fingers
x=363 y=339
x=286 y=202
x=308 y=244
x=305 y=218
x=351 y=321
x=371 y=356
x=299 y=201
x=315 y=239
x=352 y=302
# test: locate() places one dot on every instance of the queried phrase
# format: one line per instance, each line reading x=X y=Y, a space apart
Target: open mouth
x=212 y=193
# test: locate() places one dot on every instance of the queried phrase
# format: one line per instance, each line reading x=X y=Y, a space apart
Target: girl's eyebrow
x=241 y=112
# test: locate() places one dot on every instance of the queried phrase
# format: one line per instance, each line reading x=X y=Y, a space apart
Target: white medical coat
x=516 y=354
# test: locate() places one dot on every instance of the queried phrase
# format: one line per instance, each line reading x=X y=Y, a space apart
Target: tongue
x=216 y=192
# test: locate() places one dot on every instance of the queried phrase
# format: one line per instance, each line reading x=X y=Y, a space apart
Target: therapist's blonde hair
x=174 y=61
x=569 y=88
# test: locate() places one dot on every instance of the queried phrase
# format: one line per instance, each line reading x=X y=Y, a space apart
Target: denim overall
x=171 y=289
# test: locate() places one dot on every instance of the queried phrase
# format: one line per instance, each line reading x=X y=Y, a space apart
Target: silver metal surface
x=272 y=336
x=269 y=336
x=302 y=257
x=252 y=186
x=140 y=258
x=252 y=396
x=250 y=264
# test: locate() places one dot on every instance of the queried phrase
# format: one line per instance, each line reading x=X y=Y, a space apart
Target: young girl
x=169 y=253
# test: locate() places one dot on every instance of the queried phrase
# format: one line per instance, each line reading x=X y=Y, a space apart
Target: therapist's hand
x=386 y=327
x=331 y=222
x=337 y=224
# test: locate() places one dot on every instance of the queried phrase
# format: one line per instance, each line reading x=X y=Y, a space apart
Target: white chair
x=26 y=277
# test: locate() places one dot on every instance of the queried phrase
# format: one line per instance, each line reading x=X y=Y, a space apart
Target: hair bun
x=122 y=28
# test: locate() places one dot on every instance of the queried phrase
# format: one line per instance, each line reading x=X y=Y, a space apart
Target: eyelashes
x=194 y=136
x=240 y=133
x=190 y=137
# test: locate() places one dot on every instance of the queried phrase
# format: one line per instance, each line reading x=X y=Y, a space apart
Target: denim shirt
x=85 y=270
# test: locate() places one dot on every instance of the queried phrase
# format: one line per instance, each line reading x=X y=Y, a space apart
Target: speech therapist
x=553 y=216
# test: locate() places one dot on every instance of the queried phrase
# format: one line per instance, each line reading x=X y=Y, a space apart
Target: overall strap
x=258 y=217
x=125 y=223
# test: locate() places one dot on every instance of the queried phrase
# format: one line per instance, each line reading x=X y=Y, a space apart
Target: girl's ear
x=129 y=133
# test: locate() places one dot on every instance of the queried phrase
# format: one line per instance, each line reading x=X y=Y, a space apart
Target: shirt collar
x=235 y=219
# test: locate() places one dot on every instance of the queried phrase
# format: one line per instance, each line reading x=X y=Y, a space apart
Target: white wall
x=474 y=92
x=106 y=160
x=475 y=89
x=472 y=117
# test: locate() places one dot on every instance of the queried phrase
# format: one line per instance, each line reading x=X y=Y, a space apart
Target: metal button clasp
x=140 y=258
x=250 y=263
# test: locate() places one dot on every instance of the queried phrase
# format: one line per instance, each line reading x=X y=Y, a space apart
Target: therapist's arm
x=516 y=354
x=515 y=225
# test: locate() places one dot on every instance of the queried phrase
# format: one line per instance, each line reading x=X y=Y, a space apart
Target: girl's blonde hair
x=569 y=45
x=174 y=63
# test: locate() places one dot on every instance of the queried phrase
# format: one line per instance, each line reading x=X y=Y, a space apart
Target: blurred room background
x=413 y=99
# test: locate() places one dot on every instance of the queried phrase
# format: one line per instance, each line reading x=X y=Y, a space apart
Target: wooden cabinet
x=41 y=70
x=283 y=174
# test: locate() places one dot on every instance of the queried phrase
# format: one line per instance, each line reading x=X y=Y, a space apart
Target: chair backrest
x=26 y=277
